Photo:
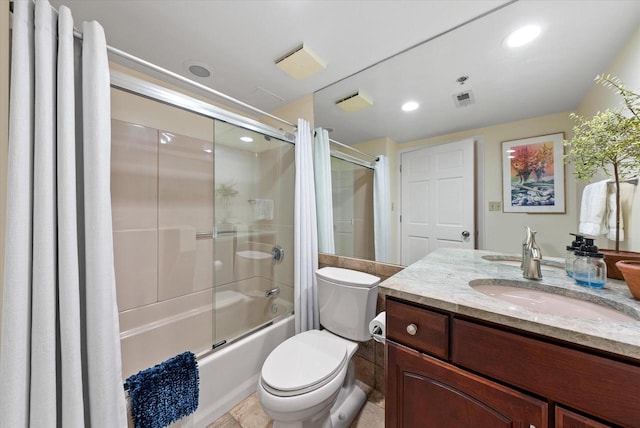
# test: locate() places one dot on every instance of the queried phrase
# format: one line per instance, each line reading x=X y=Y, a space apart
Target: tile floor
x=249 y=414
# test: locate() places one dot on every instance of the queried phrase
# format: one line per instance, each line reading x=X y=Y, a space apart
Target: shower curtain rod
x=351 y=159
x=78 y=35
x=375 y=158
x=183 y=79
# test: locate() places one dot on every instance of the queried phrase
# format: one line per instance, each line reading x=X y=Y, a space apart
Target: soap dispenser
x=589 y=268
x=570 y=256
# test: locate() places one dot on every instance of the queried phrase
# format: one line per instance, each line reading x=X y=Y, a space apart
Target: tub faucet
x=531 y=257
x=272 y=293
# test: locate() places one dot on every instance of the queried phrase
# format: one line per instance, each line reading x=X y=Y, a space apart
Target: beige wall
x=4 y=128
x=551 y=227
x=387 y=147
x=300 y=108
x=626 y=66
x=500 y=231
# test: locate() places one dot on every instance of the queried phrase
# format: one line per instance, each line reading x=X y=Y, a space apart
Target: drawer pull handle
x=412 y=329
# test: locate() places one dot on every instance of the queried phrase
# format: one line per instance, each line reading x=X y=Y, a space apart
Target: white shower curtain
x=60 y=349
x=305 y=234
x=382 y=210
x=324 y=202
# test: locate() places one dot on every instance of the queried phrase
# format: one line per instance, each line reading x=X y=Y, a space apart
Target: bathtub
x=231 y=374
x=150 y=334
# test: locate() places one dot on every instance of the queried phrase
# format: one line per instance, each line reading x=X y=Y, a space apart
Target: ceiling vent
x=301 y=63
x=464 y=99
x=355 y=102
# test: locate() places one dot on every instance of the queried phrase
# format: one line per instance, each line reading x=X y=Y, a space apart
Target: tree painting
x=532 y=174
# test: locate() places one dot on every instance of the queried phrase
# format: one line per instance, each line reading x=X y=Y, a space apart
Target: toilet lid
x=348 y=277
x=304 y=362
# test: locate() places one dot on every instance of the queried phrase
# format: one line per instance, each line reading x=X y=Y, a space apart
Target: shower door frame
x=152 y=91
x=123 y=81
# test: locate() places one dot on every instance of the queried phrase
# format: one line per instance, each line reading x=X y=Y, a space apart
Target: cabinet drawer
x=605 y=388
x=430 y=329
x=568 y=419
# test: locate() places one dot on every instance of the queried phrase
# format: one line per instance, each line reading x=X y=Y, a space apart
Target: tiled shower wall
x=162 y=197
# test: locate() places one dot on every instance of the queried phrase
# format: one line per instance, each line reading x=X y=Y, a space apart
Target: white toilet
x=308 y=381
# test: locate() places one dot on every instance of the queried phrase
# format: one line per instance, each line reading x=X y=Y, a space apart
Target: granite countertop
x=441 y=280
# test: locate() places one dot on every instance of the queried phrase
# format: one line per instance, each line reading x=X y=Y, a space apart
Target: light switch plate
x=495 y=205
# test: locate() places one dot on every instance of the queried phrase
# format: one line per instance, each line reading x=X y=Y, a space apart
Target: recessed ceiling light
x=246 y=139
x=410 y=106
x=522 y=36
x=197 y=68
x=199 y=71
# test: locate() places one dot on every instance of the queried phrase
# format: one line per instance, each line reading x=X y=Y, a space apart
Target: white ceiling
x=240 y=40
x=579 y=40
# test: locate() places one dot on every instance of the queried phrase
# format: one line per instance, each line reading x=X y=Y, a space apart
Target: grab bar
x=272 y=293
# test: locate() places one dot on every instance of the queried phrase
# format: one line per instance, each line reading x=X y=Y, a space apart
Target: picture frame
x=533 y=176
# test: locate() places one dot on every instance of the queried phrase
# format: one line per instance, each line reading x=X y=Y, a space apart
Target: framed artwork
x=533 y=175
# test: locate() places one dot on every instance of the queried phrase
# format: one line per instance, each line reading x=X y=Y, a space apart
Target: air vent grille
x=464 y=99
x=355 y=102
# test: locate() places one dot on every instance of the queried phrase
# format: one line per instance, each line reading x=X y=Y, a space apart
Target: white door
x=437 y=197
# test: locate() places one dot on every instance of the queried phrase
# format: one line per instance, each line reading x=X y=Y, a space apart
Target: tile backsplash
x=369 y=358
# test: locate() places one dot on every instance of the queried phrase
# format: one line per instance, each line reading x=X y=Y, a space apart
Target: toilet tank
x=347 y=300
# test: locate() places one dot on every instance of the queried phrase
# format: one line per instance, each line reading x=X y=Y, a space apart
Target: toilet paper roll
x=378 y=327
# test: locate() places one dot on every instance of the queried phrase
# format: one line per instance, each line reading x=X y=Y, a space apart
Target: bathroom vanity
x=460 y=353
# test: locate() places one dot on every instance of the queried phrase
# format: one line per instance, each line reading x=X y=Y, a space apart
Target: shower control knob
x=277 y=253
x=412 y=329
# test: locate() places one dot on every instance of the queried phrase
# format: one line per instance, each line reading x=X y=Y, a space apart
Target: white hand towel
x=626 y=195
x=263 y=209
x=593 y=209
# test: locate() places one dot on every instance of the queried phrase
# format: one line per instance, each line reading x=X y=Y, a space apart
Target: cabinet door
x=568 y=419
x=425 y=392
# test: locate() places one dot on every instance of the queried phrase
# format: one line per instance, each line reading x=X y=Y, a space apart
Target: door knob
x=465 y=234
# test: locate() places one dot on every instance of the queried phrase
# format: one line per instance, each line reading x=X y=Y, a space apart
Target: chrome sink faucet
x=531 y=257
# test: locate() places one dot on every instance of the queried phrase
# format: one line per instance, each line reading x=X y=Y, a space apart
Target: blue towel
x=164 y=393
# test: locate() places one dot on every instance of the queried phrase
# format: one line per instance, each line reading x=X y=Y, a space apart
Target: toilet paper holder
x=378 y=327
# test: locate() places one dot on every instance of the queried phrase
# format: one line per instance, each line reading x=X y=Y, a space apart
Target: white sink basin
x=515 y=261
x=547 y=302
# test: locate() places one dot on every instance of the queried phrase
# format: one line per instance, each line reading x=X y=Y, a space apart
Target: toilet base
x=346 y=412
x=345 y=409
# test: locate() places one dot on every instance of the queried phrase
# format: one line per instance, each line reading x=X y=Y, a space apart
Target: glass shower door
x=253 y=231
x=352 y=197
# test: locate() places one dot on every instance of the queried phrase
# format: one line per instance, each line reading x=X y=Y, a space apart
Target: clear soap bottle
x=589 y=268
x=570 y=256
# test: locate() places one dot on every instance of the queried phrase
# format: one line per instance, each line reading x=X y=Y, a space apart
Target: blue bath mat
x=164 y=393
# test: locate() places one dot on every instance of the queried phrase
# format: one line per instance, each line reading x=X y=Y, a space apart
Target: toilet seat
x=304 y=363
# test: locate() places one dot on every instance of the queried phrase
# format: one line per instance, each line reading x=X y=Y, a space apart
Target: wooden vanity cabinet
x=568 y=419
x=486 y=376
x=425 y=392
